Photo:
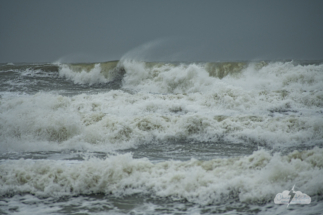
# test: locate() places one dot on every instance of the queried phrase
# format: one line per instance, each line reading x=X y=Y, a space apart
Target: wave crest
x=254 y=178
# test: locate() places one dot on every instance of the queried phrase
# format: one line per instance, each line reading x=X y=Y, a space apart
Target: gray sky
x=78 y=30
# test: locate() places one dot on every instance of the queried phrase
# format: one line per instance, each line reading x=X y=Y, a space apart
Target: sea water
x=133 y=137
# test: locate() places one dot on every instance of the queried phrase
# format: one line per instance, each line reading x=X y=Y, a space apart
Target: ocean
x=135 y=137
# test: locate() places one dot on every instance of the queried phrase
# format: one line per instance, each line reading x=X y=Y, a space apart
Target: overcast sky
x=181 y=30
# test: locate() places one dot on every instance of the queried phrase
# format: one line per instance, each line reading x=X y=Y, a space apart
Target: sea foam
x=255 y=178
x=117 y=119
x=271 y=105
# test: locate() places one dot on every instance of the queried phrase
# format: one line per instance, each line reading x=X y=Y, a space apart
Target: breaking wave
x=239 y=132
x=255 y=178
x=266 y=104
x=119 y=119
x=89 y=73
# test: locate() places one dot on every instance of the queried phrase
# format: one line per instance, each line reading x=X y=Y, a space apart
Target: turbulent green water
x=129 y=137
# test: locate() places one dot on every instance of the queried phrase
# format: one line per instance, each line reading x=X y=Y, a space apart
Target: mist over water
x=144 y=136
x=168 y=49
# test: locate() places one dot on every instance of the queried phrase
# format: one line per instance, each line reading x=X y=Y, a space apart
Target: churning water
x=160 y=138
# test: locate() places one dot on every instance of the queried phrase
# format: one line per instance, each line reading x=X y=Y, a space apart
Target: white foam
x=255 y=178
x=277 y=105
x=94 y=76
x=165 y=79
x=195 y=78
x=118 y=120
